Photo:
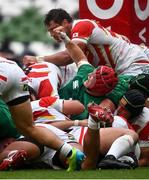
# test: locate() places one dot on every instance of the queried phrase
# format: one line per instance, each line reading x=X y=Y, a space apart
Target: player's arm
x=63 y=125
x=67 y=107
x=60 y=59
x=74 y=50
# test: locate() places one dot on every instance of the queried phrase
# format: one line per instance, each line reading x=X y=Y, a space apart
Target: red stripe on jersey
x=47 y=101
x=81 y=135
x=38 y=74
x=45 y=88
x=113 y=33
x=111 y=61
x=142 y=62
x=3 y=78
x=143 y=133
x=41 y=113
x=39 y=66
x=24 y=79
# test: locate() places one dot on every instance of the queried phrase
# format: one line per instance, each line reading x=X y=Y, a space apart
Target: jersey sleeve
x=116 y=94
x=84 y=70
x=82 y=31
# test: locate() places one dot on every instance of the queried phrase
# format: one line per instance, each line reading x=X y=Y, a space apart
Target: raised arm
x=74 y=50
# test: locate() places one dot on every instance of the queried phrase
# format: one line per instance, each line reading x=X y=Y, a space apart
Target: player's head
x=58 y=17
x=141 y=82
x=101 y=81
x=132 y=103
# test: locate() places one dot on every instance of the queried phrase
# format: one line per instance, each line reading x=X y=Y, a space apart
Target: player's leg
x=115 y=143
x=40 y=134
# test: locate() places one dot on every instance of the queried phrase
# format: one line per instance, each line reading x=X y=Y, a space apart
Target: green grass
x=139 y=173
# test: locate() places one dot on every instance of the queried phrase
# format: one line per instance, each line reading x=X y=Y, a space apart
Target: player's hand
x=100 y=114
x=56 y=34
x=28 y=60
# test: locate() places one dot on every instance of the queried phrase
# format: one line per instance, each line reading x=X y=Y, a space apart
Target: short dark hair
x=57 y=15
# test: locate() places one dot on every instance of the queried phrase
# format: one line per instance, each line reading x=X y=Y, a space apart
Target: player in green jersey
x=90 y=84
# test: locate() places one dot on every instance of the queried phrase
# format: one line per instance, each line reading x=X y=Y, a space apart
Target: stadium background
x=21 y=26
x=22 y=30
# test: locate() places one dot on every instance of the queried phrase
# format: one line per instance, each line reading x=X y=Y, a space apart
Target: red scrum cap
x=104 y=80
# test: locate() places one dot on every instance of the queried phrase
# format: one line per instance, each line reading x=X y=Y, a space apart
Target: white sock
x=121 y=146
x=66 y=149
x=92 y=124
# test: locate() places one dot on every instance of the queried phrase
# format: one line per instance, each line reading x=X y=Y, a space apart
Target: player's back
x=105 y=47
x=45 y=79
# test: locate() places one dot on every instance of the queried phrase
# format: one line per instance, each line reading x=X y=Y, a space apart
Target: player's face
x=90 y=82
x=51 y=26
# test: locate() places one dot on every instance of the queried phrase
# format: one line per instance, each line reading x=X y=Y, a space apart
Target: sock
x=121 y=146
x=92 y=124
x=66 y=150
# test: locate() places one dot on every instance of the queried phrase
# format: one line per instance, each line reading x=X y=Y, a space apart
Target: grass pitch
x=139 y=173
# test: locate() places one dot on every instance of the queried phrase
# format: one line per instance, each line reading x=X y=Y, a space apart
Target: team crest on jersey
x=75 y=35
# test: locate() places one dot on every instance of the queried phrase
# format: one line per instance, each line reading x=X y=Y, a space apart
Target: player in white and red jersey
x=132 y=108
x=14 y=91
x=45 y=79
x=101 y=46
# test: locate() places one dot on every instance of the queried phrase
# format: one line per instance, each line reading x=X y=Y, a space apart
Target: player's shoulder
x=83 y=23
x=82 y=28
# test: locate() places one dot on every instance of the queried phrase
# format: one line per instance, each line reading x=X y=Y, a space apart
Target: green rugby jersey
x=75 y=90
x=7 y=127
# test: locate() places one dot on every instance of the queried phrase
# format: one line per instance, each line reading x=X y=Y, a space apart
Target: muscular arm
x=60 y=59
x=64 y=57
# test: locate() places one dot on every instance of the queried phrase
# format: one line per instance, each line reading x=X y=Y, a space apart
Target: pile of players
x=93 y=94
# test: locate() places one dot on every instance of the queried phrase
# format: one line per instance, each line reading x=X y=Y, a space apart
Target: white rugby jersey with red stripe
x=105 y=47
x=140 y=125
x=13 y=81
x=47 y=110
x=45 y=79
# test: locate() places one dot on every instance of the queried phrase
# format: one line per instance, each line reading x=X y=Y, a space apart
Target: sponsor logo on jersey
x=75 y=84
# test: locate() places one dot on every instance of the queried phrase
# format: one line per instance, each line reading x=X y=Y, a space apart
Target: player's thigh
x=108 y=136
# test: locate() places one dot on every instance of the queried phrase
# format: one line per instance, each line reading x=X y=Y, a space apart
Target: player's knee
x=129 y=139
x=133 y=135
